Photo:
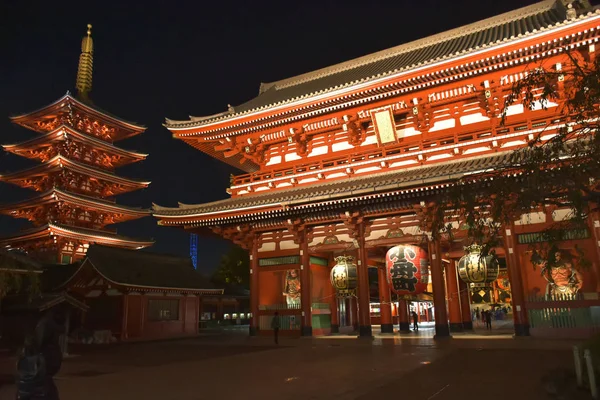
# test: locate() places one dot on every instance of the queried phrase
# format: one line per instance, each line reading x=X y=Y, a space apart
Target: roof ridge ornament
x=86 y=62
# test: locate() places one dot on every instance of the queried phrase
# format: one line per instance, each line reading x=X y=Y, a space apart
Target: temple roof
x=42 y=302
x=339 y=189
x=137 y=269
x=62 y=133
x=60 y=162
x=13 y=261
x=68 y=100
x=55 y=195
x=495 y=31
x=75 y=233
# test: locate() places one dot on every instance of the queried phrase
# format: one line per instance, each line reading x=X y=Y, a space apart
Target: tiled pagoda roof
x=68 y=99
x=75 y=233
x=501 y=29
x=55 y=195
x=143 y=270
x=59 y=135
x=337 y=190
x=59 y=162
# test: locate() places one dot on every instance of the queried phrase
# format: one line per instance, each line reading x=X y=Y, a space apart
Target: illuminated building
x=343 y=160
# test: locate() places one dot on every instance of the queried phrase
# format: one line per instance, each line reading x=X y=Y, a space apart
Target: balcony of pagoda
x=61 y=172
x=475 y=140
x=72 y=208
x=75 y=145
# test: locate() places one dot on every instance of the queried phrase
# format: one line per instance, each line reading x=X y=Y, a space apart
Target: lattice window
x=163 y=310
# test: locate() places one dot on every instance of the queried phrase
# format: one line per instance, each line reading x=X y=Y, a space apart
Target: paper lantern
x=407 y=269
x=473 y=268
x=344 y=276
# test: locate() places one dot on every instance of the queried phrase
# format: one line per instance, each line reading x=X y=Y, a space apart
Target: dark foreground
x=235 y=366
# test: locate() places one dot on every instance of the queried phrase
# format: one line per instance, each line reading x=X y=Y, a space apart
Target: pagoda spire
x=86 y=62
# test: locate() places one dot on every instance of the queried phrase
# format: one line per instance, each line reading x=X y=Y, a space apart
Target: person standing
x=47 y=335
x=415 y=319
x=275 y=325
x=488 y=320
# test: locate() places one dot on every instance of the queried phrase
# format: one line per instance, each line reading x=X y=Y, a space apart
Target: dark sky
x=178 y=58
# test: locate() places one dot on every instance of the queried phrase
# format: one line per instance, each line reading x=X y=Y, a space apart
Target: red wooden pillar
x=305 y=290
x=465 y=306
x=124 y=335
x=385 y=300
x=364 y=311
x=439 y=290
x=335 y=320
x=253 y=330
x=403 y=317
x=514 y=275
x=455 y=312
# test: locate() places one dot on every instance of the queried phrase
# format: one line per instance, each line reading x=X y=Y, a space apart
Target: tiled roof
x=338 y=189
x=68 y=97
x=43 y=302
x=145 y=269
x=67 y=230
x=457 y=42
x=64 y=195
x=11 y=260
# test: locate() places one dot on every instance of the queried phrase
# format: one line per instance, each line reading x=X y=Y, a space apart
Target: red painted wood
x=384 y=297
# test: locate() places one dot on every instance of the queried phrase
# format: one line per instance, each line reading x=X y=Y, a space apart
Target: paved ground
x=234 y=366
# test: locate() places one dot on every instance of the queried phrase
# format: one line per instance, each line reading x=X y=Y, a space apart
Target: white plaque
x=385 y=127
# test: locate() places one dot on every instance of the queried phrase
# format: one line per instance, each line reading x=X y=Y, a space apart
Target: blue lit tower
x=194 y=249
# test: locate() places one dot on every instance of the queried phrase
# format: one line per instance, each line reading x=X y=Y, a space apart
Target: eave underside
x=56 y=136
x=407 y=182
x=63 y=104
x=50 y=233
x=75 y=200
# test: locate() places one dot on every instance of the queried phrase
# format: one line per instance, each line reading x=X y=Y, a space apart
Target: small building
x=134 y=295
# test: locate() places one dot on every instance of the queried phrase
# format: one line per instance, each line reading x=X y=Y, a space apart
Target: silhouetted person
x=31 y=371
x=47 y=335
x=488 y=320
x=483 y=317
x=275 y=325
x=415 y=319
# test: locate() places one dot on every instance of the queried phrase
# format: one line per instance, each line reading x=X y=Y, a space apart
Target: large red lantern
x=407 y=269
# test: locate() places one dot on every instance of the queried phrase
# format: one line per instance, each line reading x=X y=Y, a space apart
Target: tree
x=557 y=169
x=234 y=268
x=18 y=275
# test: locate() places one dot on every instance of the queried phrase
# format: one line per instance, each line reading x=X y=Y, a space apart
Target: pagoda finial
x=86 y=62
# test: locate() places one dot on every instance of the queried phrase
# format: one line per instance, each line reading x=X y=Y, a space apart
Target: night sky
x=177 y=58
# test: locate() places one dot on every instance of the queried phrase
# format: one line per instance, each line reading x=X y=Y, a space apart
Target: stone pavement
x=235 y=366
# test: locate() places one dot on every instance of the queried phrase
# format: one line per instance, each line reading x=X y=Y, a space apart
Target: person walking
x=275 y=325
x=488 y=320
x=415 y=319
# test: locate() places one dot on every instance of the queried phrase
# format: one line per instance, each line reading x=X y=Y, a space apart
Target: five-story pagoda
x=76 y=180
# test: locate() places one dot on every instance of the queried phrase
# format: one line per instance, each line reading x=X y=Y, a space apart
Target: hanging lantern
x=473 y=268
x=344 y=276
x=407 y=269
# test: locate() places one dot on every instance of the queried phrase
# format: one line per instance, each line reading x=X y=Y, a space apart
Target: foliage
x=17 y=276
x=234 y=268
x=557 y=169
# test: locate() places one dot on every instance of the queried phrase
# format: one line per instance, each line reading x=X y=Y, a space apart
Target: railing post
x=587 y=354
x=578 y=367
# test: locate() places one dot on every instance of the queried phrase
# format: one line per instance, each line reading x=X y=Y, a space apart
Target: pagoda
x=75 y=182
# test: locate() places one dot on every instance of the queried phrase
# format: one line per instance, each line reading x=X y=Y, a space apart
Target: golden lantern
x=474 y=268
x=343 y=276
